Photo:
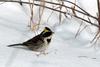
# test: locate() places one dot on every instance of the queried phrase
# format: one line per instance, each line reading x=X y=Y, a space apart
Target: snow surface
x=64 y=51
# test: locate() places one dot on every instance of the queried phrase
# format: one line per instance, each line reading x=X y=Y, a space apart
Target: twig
x=78 y=29
x=87 y=21
x=98 y=4
x=60 y=11
x=21 y=3
x=76 y=6
x=55 y=4
x=84 y=12
x=41 y=11
x=95 y=36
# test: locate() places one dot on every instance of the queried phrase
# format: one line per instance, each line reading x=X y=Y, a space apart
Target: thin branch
x=21 y=2
x=87 y=21
x=98 y=6
x=86 y=13
x=78 y=29
x=76 y=6
x=55 y=4
x=59 y=10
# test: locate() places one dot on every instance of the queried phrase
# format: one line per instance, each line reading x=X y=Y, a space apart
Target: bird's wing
x=34 y=41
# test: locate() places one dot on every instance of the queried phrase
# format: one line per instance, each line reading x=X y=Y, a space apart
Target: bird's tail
x=14 y=45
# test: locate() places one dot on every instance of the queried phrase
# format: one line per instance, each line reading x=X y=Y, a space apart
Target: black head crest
x=46 y=28
x=46 y=32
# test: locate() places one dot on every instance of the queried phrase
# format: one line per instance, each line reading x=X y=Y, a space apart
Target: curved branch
x=59 y=10
x=58 y=4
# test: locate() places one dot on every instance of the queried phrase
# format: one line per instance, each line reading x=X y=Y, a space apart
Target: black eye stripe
x=47 y=34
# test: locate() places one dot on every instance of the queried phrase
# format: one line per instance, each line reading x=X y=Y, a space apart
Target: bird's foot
x=45 y=53
x=42 y=53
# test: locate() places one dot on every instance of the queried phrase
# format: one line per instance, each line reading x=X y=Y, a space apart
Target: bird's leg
x=37 y=55
x=44 y=53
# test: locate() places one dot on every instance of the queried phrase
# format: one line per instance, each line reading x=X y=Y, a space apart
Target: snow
x=64 y=51
x=92 y=9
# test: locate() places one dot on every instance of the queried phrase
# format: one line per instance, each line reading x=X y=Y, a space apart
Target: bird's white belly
x=43 y=48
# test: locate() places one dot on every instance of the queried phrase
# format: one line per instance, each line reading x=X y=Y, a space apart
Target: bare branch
x=87 y=21
x=98 y=6
x=60 y=10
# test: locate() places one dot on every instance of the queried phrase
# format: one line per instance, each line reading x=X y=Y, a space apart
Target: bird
x=39 y=43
